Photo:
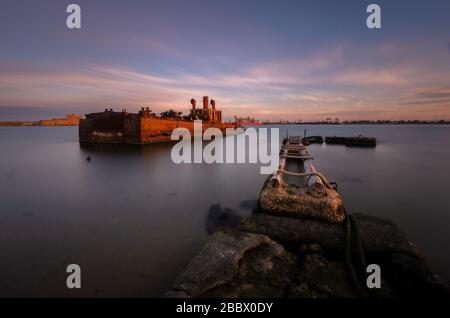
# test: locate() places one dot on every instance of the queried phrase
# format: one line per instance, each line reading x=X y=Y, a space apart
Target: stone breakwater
x=279 y=256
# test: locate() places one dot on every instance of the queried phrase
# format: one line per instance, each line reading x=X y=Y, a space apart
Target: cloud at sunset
x=253 y=72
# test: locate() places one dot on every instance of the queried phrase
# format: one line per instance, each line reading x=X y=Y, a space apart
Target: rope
x=307 y=174
x=297 y=157
x=349 y=224
x=359 y=249
x=292 y=147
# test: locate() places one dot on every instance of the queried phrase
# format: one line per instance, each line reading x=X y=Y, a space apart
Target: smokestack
x=193 y=103
x=213 y=104
x=205 y=102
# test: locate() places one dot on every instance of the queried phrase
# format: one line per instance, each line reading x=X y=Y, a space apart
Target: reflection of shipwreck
x=145 y=126
x=303 y=192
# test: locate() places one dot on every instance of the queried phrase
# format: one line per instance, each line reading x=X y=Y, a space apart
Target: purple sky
x=269 y=59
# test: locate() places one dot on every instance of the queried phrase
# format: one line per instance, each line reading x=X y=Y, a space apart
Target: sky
x=295 y=60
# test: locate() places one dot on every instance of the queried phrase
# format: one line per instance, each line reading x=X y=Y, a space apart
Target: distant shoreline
x=69 y=120
x=363 y=123
x=74 y=120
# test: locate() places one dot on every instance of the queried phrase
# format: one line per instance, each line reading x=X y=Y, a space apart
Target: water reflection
x=124 y=149
x=133 y=219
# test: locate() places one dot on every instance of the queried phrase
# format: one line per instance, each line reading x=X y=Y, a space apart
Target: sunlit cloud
x=324 y=84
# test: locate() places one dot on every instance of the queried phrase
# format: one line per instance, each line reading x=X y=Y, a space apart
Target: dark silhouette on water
x=219 y=218
x=251 y=205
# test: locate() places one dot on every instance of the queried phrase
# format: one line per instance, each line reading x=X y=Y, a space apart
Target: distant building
x=70 y=120
x=206 y=114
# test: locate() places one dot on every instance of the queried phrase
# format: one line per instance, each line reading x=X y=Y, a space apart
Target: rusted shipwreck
x=145 y=126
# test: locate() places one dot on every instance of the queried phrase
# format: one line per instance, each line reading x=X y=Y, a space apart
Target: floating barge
x=301 y=193
x=146 y=127
x=359 y=141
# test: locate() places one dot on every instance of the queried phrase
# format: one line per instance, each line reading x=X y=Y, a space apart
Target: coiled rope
x=307 y=174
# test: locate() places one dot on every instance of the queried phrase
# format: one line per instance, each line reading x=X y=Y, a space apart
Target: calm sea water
x=132 y=219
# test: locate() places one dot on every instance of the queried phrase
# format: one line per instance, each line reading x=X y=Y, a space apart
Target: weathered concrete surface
x=236 y=264
x=284 y=200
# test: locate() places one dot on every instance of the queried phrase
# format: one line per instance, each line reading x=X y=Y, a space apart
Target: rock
x=255 y=261
x=414 y=277
x=219 y=218
x=301 y=290
x=310 y=249
x=176 y=294
x=378 y=236
x=416 y=269
x=237 y=264
x=321 y=278
x=295 y=230
x=383 y=236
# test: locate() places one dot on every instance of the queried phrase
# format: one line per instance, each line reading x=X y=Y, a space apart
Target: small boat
x=335 y=140
x=312 y=140
x=359 y=141
x=298 y=190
